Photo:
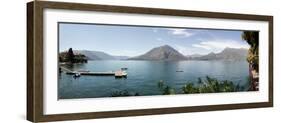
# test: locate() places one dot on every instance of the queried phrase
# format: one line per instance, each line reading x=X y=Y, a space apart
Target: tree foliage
x=70 y=57
x=120 y=93
x=252 y=38
x=190 y=89
x=124 y=93
x=210 y=85
x=165 y=89
x=207 y=85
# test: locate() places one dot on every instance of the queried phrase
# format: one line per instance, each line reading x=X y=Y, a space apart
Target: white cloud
x=201 y=46
x=218 y=45
x=189 y=50
x=180 y=32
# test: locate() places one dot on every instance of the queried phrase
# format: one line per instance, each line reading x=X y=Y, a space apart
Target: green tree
x=168 y=91
x=210 y=85
x=252 y=38
x=70 y=56
x=190 y=89
x=165 y=89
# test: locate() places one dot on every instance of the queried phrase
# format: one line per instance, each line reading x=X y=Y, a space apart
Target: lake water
x=143 y=76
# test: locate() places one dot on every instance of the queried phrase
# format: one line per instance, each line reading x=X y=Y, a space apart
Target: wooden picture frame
x=35 y=60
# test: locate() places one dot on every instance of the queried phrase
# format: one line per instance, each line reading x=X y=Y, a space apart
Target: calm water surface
x=144 y=75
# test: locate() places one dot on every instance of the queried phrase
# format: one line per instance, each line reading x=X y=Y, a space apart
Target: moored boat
x=76 y=75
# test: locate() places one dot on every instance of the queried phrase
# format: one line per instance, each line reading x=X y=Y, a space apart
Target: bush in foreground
x=210 y=85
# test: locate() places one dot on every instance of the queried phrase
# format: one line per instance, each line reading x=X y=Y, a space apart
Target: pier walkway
x=118 y=73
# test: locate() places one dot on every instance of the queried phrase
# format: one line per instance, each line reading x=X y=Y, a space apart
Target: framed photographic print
x=96 y=61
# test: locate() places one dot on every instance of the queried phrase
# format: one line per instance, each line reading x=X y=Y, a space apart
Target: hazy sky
x=133 y=41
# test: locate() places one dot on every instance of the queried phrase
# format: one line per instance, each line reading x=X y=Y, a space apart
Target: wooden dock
x=117 y=74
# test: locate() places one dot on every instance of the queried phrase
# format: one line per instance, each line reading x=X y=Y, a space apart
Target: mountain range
x=98 y=55
x=230 y=54
x=168 y=53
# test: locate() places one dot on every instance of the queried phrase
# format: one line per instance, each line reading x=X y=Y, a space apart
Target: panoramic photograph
x=102 y=61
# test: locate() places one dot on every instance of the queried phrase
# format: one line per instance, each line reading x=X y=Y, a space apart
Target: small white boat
x=76 y=75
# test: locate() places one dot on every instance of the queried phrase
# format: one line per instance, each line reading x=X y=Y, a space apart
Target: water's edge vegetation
x=203 y=85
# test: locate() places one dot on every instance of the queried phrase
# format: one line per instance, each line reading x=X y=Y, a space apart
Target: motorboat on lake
x=124 y=68
x=179 y=71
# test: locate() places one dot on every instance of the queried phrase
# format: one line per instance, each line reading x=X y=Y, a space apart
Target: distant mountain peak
x=227 y=49
x=164 y=52
x=165 y=46
x=226 y=54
